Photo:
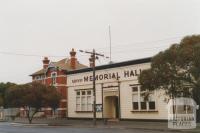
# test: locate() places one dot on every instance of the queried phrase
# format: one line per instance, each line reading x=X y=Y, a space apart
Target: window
x=135 y=102
x=84 y=100
x=83 y=103
x=135 y=106
x=143 y=104
x=53 y=78
x=88 y=92
x=152 y=105
x=135 y=89
x=139 y=103
x=78 y=93
x=151 y=102
x=37 y=78
x=78 y=103
x=83 y=92
x=43 y=79
x=89 y=103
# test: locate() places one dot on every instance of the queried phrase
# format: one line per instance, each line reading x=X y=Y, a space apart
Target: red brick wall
x=61 y=82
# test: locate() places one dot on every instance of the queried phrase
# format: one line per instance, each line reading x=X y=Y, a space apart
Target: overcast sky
x=139 y=28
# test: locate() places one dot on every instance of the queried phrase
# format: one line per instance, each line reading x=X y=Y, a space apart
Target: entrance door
x=111 y=107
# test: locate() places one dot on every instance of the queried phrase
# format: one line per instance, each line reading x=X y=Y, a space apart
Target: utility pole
x=94 y=86
x=94 y=56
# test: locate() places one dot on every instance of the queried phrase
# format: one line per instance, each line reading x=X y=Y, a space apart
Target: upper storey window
x=39 y=77
x=53 y=78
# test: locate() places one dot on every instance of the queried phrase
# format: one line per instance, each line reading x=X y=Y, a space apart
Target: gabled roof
x=63 y=64
x=40 y=72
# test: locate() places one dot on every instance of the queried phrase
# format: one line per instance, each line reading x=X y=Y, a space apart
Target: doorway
x=111 y=107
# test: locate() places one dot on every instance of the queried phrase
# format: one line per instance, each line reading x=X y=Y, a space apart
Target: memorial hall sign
x=108 y=76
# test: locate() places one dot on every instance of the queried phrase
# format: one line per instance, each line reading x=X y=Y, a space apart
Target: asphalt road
x=8 y=128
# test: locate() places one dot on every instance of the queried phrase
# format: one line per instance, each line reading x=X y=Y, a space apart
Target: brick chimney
x=91 y=62
x=45 y=62
x=73 y=59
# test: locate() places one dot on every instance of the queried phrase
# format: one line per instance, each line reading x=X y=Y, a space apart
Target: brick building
x=53 y=73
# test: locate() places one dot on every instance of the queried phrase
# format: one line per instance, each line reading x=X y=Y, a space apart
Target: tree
x=52 y=98
x=32 y=97
x=1 y=101
x=165 y=73
x=176 y=70
x=3 y=88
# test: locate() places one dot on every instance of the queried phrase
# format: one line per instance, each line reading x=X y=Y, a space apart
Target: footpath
x=158 y=126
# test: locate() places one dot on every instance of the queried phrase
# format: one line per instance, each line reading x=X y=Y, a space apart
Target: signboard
x=103 y=76
x=99 y=108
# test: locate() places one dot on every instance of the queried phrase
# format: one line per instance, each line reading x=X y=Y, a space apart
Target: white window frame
x=37 y=78
x=139 y=97
x=53 y=78
x=88 y=104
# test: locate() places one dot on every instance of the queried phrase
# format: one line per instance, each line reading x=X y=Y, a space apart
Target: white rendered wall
x=125 y=94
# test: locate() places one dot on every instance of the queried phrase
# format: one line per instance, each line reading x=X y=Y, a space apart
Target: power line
x=135 y=49
x=121 y=51
x=145 y=42
x=28 y=55
x=116 y=51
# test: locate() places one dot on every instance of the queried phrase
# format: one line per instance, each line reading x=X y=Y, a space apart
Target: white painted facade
x=115 y=93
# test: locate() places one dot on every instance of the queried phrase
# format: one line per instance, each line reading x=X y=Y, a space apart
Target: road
x=8 y=128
